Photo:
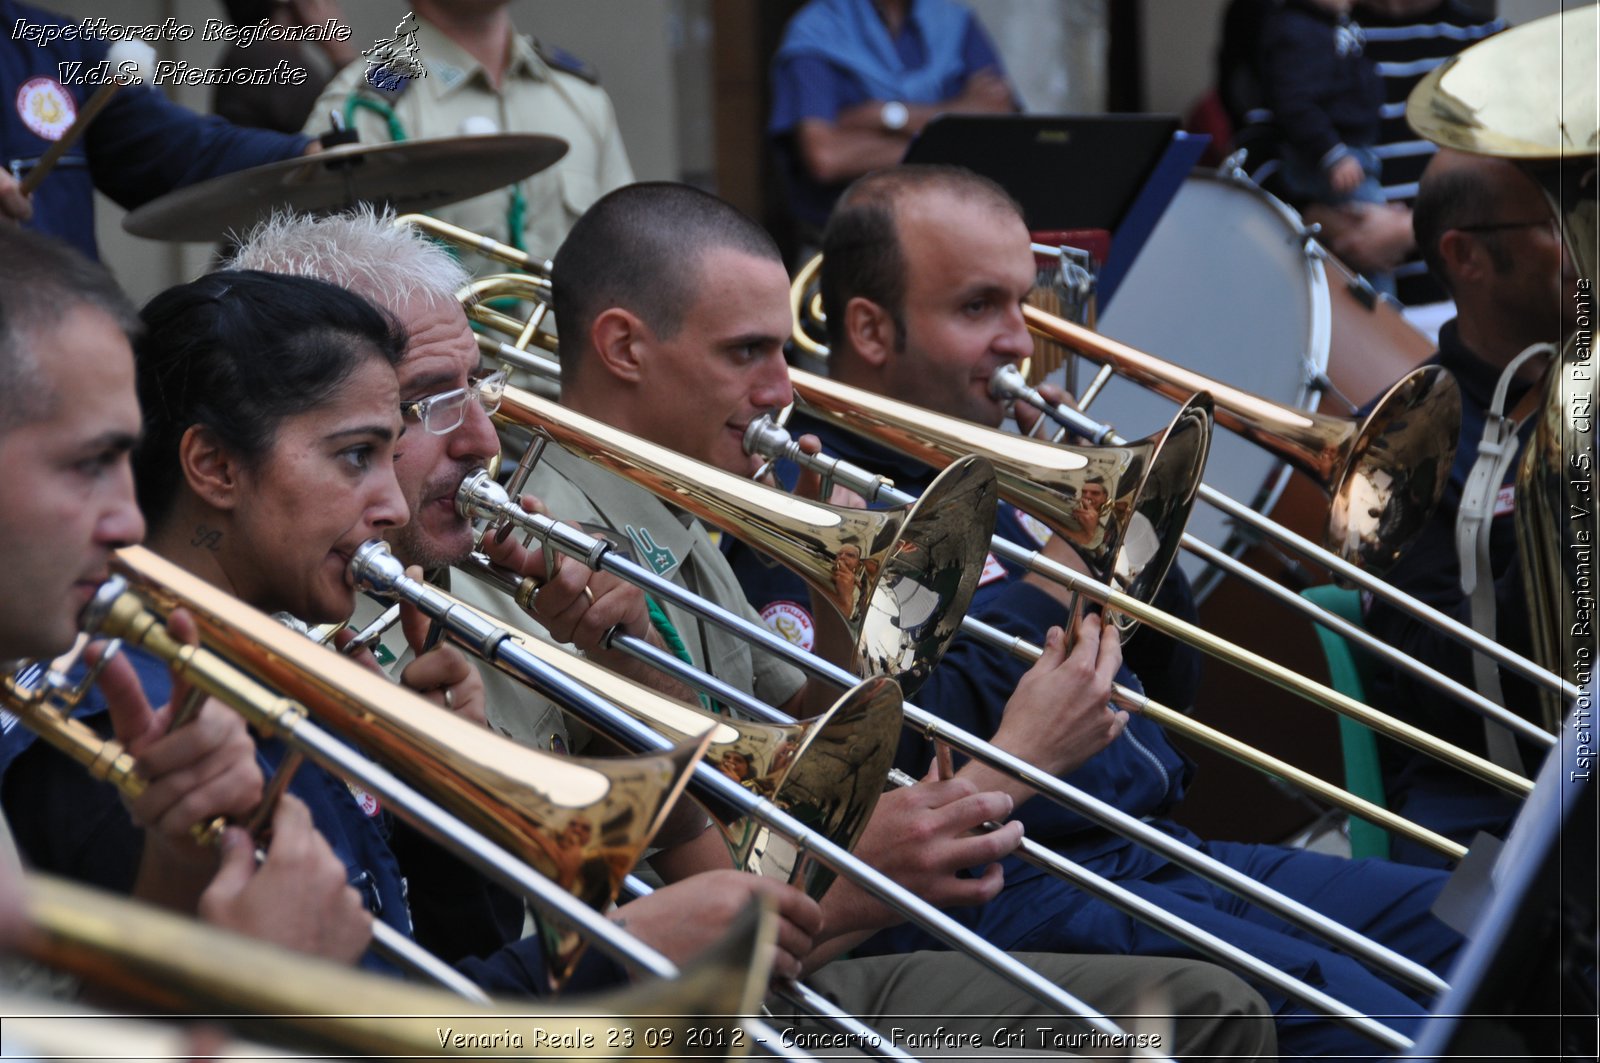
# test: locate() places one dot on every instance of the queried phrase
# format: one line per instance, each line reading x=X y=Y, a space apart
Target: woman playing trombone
x=271 y=426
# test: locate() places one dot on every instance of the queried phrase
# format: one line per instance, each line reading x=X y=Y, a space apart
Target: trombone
x=44 y=706
x=487 y=780
x=626 y=692
x=481 y=498
x=900 y=578
x=375 y=570
x=770 y=440
x=864 y=413
x=1009 y=383
x=1360 y=465
x=821 y=770
x=342 y=687
x=174 y=963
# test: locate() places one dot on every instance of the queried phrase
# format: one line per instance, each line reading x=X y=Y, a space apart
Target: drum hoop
x=1314 y=360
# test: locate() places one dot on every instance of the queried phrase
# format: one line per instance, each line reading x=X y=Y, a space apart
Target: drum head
x=1224 y=287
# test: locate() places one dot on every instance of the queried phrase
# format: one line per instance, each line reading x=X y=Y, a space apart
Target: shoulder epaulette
x=565 y=61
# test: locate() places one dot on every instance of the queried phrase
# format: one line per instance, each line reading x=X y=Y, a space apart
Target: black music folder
x=1116 y=172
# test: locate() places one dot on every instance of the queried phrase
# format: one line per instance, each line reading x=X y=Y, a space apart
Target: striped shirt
x=1405 y=49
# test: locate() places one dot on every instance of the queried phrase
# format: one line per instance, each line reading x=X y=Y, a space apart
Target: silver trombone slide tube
x=765 y=437
x=862 y=1036
x=1012 y=386
x=1201 y=940
x=481 y=497
x=289 y=720
x=1180 y=930
x=374 y=569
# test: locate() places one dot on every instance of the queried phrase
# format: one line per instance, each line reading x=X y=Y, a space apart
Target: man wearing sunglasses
x=1489 y=236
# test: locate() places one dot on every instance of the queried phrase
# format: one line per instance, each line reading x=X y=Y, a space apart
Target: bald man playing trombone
x=923 y=835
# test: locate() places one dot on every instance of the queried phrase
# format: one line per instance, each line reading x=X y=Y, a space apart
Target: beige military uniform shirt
x=534 y=97
x=665 y=540
x=543 y=725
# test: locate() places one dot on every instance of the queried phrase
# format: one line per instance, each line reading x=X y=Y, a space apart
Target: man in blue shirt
x=925 y=270
x=855 y=80
x=140 y=147
x=1489 y=237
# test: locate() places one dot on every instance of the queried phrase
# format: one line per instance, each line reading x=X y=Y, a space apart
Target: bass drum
x=1230 y=285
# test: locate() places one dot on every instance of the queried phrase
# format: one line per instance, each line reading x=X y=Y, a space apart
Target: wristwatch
x=894 y=116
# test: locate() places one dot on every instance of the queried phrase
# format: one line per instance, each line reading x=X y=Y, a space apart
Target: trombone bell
x=1385 y=473
x=902 y=578
x=1129 y=540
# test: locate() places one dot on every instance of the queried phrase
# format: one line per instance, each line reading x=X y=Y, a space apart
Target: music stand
x=1524 y=985
x=1111 y=172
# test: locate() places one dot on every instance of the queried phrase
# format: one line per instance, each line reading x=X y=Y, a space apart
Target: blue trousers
x=1385 y=901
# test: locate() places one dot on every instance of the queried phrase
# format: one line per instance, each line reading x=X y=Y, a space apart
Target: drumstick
x=142 y=57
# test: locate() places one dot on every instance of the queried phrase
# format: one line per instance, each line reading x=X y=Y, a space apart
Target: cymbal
x=410 y=175
x=1527 y=93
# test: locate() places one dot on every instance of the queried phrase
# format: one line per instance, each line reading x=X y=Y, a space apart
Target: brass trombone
x=1361 y=464
x=42 y=700
x=1384 y=474
x=503 y=798
x=173 y=963
x=900 y=578
x=774 y=441
x=376 y=571
x=626 y=693
x=484 y=499
x=822 y=770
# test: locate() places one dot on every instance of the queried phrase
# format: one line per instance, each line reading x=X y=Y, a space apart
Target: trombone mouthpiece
x=99 y=607
x=766 y=438
x=373 y=567
x=479 y=497
x=1007 y=383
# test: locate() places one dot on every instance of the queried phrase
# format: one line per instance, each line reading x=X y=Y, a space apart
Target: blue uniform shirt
x=836 y=54
x=1140 y=772
x=140 y=147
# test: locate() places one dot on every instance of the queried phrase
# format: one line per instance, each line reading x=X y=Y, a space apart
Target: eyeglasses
x=1490 y=227
x=443 y=413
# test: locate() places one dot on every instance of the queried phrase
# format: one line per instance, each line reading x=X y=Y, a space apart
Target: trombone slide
x=374 y=569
